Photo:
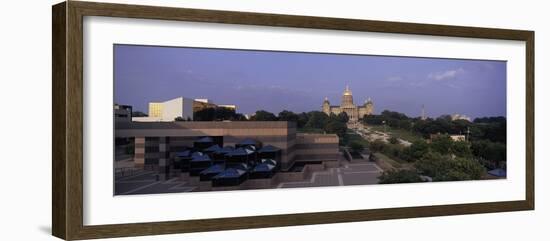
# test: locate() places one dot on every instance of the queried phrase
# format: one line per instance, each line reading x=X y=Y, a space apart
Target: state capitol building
x=353 y=111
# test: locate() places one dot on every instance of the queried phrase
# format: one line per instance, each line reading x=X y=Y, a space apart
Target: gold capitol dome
x=347 y=91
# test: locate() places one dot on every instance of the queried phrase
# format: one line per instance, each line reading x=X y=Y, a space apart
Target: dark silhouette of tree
x=286 y=115
x=336 y=127
x=316 y=119
x=139 y=114
x=356 y=147
x=263 y=115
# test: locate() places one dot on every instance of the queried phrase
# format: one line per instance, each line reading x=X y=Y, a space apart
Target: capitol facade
x=354 y=112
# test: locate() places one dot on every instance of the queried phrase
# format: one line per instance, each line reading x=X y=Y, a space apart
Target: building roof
x=263 y=167
x=213 y=148
x=230 y=173
x=200 y=157
x=225 y=150
x=269 y=148
x=185 y=153
x=240 y=152
x=241 y=166
x=269 y=161
x=218 y=168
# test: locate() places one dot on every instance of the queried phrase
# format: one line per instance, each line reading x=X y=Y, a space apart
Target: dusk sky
x=275 y=81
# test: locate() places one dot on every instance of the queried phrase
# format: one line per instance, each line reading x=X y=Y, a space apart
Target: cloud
x=449 y=74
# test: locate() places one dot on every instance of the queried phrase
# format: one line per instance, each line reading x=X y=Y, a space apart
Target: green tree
x=357 y=146
x=303 y=118
x=263 y=115
x=336 y=127
x=393 y=140
x=377 y=145
x=445 y=168
x=416 y=151
x=491 y=151
x=399 y=176
x=286 y=115
x=316 y=119
x=138 y=114
x=461 y=149
x=343 y=117
x=442 y=144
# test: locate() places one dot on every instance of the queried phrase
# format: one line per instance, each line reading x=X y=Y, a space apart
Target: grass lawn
x=387 y=163
x=354 y=137
x=398 y=133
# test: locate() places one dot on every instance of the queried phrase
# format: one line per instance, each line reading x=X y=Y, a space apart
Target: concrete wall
x=178 y=107
x=311 y=147
x=294 y=146
x=280 y=134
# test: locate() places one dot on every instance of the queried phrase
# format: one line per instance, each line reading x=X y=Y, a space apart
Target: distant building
x=201 y=104
x=168 y=110
x=353 y=111
x=231 y=107
x=458 y=137
x=179 y=107
x=123 y=113
x=460 y=117
x=203 y=100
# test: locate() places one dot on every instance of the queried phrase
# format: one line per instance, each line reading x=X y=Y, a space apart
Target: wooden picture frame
x=67 y=123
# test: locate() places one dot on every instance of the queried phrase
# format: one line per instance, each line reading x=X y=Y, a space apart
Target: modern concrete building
x=169 y=110
x=231 y=107
x=182 y=107
x=347 y=106
x=157 y=142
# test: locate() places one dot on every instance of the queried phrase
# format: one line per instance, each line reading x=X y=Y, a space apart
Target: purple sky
x=274 y=81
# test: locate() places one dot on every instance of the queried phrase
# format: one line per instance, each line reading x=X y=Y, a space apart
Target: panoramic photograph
x=192 y=119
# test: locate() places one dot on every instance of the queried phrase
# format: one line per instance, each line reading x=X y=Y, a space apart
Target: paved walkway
x=145 y=182
x=349 y=174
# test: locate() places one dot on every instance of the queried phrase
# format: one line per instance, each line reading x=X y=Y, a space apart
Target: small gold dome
x=347 y=91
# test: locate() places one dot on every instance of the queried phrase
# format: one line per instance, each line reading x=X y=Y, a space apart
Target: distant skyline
x=299 y=82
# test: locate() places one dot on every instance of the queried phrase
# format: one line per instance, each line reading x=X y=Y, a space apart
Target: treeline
x=311 y=121
x=217 y=114
x=486 y=128
x=442 y=159
x=442 y=144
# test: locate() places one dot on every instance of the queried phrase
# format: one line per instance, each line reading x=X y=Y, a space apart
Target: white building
x=168 y=110
x=460 y=117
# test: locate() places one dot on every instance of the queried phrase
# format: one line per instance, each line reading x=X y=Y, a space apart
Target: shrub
x=399 y=176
